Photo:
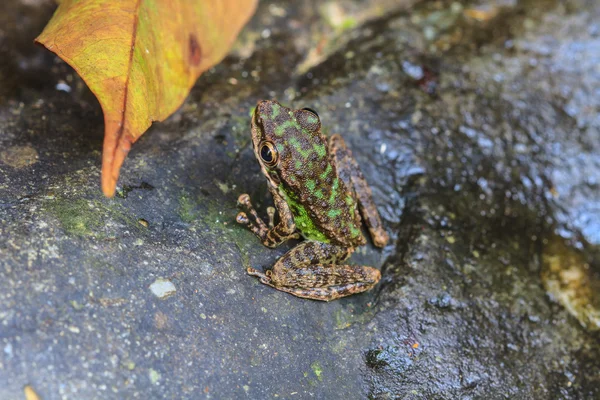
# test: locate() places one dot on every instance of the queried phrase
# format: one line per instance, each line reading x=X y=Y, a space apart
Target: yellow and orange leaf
x=140 y=58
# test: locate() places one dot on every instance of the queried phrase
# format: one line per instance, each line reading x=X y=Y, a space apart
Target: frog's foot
x=264 y=277
x=313 y=270
x=327 y=293
x=255 y=272
x=255 y=223
x=271 y=235
x=243 y=219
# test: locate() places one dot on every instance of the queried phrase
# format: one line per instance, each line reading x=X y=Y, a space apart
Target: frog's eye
x=308 y=119
x=310 y=110
x=268 y=154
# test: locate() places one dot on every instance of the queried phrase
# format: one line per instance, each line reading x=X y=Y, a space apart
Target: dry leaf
x=30 y=393
x=140 y=58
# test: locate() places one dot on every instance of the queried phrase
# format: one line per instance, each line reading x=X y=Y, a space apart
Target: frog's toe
x=244 y=200
x=271 y=214
x=264 y=278
x=242 y=218
x=381 y=239
x=254 y=272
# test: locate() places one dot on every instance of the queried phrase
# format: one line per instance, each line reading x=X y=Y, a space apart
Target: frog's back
x=325 y=212
x=323 y=207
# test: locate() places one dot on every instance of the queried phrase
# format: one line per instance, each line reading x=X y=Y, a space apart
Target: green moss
x=187 y=209
x=78 y=217
x=219 y=219
x=346 y=317
x=88 y=218
x=317 y=370
x=340 y=346
x=343 y=320
x=154 y=376
x=217 y=215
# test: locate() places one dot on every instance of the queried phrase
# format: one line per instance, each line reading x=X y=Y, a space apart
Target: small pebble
x=163 y=288
x=63 y=87
x=73 y=329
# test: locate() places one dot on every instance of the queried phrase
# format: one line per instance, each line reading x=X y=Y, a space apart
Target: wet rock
x=389 y=358
x=477 y=132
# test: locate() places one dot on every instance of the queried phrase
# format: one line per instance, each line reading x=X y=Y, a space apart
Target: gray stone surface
x=478 y=127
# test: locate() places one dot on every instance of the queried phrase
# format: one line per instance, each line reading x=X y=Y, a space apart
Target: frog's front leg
x=312 y=270
x=271 y=235
x=352 y=176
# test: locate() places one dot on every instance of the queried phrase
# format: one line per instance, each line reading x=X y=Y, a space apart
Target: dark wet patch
x=124 y=192
x=477 y=133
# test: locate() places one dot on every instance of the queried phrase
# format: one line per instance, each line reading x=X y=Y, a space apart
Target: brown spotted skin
x=319 y=193
x=352 y=176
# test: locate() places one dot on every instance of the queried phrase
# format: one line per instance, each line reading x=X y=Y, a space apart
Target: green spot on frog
x=333 y=213
x=354 y=232
x=298 y=146
x=276 y=109
x=320 y=149
x=334 y=188
x=310 y=184
x=326 y=172
x=290 y=123
x=302 y=219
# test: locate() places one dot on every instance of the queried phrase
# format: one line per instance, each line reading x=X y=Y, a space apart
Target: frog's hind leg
x=311 y=270
x=352 y=176
x=327 y=293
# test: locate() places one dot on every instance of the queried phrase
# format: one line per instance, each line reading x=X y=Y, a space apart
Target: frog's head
x=282 y=139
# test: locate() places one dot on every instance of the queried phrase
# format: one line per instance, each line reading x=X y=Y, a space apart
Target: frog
x=321 y=196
